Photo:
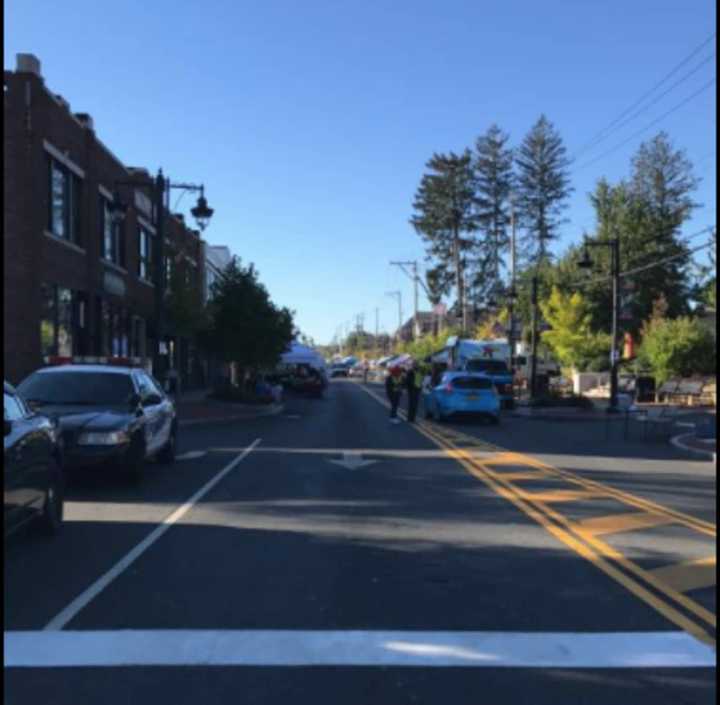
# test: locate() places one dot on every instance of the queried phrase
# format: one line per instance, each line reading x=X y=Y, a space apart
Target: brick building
x=75 y=283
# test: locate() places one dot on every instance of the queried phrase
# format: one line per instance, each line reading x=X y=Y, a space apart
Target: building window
x=47 y=319
x=65 y=202
x=111 y=234
x=169 y=265
x=65 y=319
x=145 y=258
x=61 y=317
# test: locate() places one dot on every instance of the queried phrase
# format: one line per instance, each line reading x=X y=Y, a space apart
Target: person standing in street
x=413 y=383
x=393 y=389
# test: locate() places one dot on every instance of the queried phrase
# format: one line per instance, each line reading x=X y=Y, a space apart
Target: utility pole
x=377 y=328
x=416 y=282
x=586 y=263
x=534 y=350
x=615 y=353
x=512 y=295
x=398 y=296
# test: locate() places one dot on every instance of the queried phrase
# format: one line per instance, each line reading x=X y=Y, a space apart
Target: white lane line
x=63 y=617
x=355 y=648
x=192 y=455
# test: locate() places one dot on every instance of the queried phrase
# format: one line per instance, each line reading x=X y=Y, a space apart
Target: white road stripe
x=61 y=619
x=192 y=455
x=355 y=648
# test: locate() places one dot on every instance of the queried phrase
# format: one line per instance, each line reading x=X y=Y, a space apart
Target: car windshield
x=82 y=388
x=495 y=367
x=472 y=383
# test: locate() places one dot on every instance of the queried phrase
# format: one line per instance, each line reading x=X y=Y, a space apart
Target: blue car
x=462 y=392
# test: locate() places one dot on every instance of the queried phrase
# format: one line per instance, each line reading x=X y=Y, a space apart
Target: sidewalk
x=194 y=408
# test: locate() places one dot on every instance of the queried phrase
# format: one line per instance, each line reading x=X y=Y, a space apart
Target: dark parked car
x=32 y=466
x=109 y=416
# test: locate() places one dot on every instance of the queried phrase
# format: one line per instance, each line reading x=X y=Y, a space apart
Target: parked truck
x=491 y=357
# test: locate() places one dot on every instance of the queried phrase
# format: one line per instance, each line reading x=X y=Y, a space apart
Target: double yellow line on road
x=651 y=589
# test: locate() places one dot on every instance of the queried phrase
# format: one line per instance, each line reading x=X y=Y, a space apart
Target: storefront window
x=65 y=328
x=47 y=319
x=61 y=318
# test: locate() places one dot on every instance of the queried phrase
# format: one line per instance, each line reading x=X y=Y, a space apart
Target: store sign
x=114 y=284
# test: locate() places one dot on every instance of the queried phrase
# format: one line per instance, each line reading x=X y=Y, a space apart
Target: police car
x=111 y=413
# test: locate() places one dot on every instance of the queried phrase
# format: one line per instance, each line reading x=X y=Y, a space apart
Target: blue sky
x=310 y=122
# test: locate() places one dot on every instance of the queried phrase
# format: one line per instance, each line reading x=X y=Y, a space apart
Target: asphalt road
x=345 y=560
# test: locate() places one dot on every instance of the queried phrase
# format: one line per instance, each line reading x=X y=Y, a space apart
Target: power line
x=687 y=253
x=657 y=263
x=644 y=108
x=677 y=107
x=582 y=283
x=640 y=100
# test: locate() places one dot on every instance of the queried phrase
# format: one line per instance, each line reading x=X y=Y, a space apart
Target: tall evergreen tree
x=543 y=186
x=445 y=216
x=493 y=167
x=646 y=214
x=662 y=184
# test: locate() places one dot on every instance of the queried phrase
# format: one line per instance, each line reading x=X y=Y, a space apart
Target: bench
x=666 y=390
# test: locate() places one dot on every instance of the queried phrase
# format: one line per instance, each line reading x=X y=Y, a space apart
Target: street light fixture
x=201 y=212
x=160 y=188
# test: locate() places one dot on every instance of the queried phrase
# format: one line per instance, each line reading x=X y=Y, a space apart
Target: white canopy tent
x=303 y=355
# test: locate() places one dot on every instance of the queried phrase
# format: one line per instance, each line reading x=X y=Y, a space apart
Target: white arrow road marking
x=192 y=455
x=352 y=460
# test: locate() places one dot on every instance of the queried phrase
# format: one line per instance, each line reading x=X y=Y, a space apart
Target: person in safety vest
x=393 y=387
x=413 y=383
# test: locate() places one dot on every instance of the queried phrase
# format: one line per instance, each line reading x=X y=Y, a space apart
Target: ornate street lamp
x=201 y=212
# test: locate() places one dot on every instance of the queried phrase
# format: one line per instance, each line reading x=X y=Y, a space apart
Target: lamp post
x=587 y=263
x=160 y=189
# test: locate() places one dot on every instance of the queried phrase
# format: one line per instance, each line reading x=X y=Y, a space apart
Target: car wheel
x=495 y=420
x=135 y=459
x=167 y=453
x=51 y=519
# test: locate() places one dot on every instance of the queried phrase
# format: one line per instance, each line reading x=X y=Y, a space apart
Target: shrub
x=679 y=347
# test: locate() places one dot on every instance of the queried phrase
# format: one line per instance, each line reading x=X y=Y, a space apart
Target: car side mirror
x=152 y=399
x=8 y=427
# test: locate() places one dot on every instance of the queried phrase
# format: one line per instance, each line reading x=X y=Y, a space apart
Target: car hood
x=75 y=418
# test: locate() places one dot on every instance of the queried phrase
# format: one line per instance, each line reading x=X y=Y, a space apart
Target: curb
x=276 y=409
x=557 y=417
x=677 y=441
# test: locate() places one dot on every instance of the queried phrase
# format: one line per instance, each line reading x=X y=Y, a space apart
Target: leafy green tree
x=494 y=326
x=186 y=312
x=444 y=214
x=679 y=347
x=493 y=169
x=246 y=327
x=542 y=188
x=571 y=337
